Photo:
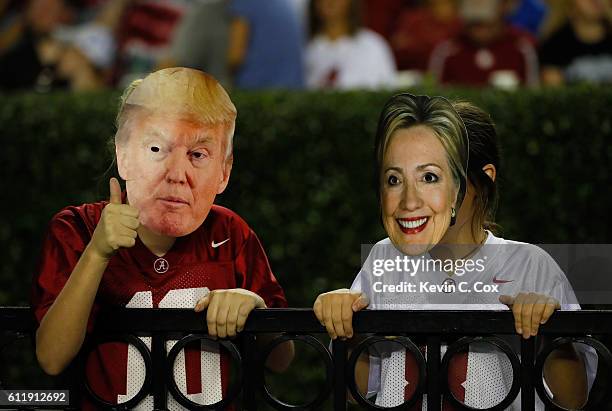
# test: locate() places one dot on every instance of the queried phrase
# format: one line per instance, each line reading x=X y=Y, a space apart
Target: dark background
x=302 y=175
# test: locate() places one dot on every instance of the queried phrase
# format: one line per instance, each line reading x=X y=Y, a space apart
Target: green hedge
x=302 y=174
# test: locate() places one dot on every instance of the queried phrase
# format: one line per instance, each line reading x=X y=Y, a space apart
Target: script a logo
x=161 y=265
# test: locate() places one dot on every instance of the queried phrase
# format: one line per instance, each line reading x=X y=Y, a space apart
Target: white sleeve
x=318 y=60
x=384 y=61
x=564 y=293
x=363 y=280
x=310 y=65
x=356 y=286
x=590 y=358
x=374 y=375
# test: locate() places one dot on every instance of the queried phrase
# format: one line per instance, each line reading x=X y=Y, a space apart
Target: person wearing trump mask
x=160 y=244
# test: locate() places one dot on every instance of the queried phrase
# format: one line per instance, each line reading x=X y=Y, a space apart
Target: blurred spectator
x=265 y=44
x=488 y=51
x=527 y=15
x=86 y=56
x=145 y=35
x=200 y=40
x=55 y=53
x=27 y=52
x=420 y=29
x=580 y=49
x=343 y=55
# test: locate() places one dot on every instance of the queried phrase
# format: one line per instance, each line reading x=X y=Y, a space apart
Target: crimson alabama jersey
x=222 y=253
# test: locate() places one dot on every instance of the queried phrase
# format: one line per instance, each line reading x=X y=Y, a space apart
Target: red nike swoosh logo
x=496 y=281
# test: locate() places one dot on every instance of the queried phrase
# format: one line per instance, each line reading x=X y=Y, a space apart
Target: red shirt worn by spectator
x=223 y=253
x=508 y=61
x=380 y=15
x=144 y=35
x=416 y=34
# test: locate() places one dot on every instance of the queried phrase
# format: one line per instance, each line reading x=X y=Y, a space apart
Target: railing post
x=339 y=352
x=527 y=371
x=433 y=374
x=160 y=386
x=252 y=374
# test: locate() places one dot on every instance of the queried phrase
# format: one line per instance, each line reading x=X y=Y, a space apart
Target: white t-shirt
x=499 y=267
x=363 y=60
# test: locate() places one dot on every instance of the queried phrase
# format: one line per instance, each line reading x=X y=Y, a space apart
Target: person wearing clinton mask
x=160 y=244
x=436 y=166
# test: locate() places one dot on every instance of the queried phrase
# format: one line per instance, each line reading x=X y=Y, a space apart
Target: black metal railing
x=432 y=328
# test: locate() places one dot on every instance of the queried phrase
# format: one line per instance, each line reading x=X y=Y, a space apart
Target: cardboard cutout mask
x=173 y=154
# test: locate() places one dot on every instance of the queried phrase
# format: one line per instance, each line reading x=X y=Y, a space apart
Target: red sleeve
x=257 y=276
x=63 y=245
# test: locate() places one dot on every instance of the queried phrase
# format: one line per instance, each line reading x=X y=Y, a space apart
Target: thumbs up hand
x=117 y=226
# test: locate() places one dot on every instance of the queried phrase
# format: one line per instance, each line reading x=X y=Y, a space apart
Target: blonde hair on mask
x=187 y=93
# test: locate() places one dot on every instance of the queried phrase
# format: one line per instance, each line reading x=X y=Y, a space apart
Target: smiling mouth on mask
x=412 y=225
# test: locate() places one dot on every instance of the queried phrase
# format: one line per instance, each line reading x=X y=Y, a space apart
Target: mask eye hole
x=155 y=149
x=430 y=178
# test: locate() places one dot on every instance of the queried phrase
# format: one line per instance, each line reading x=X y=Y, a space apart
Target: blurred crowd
x=316 y=44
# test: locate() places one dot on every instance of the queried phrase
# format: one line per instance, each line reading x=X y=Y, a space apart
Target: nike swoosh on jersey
x=215 y=245
x=497 y=281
